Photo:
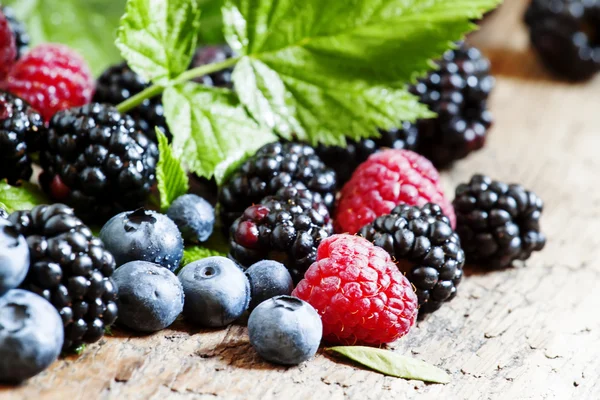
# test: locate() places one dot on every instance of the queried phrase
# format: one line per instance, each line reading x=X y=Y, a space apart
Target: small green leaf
x=211 y=22
x=172 y=178
x=211 y=130
x=80 y=349
x=393 y=364
x=108 y=331
x=24 y=197
x=158 y=37
x=217 y=245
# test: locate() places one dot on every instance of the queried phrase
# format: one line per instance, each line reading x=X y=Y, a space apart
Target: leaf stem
x=155 y=90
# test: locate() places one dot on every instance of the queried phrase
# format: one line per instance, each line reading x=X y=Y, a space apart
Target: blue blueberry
x=14 y=257
x=194 y=216
x=268 y=278
x=143 y=235
x=150 y=296
x=285 y=330
x=216 y=292
x=31 y=335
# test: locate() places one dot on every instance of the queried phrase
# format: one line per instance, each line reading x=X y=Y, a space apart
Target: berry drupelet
x=498 y=223
x=457 y=91
x=97 y=162
x=210 y=55
x=18 y=30
x=117 y=84
x=71 y=269
x=422 y=242
x=274 y=166
x=287 y=227
x=21 y=128
x=356 y=153
x=566 y=35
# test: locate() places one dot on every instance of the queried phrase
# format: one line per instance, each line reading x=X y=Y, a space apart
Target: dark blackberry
x=497 y=223
x=274 y=166
x=21 y=128
x=213 y=54
x=287 y=227
x=566 y=35
x=355 y=153
x=422 y=242
x=71 y=269
x=457 y=91
x=18 y=29
x=117 y=84
x=97 y=162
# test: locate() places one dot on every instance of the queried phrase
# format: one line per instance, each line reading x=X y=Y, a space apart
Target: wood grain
x=530 y=332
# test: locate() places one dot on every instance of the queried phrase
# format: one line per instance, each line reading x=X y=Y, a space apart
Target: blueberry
x=31 y=335
x=150 y=297
x=194 y=216
x=143 y=235
x=216 y=292
x=285 y=330
x=14 y=257
x=268 y=279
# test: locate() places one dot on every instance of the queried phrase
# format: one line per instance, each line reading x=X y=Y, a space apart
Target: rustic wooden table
x=530 y=332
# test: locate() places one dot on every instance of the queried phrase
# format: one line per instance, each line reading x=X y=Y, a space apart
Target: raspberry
x=8 y=48
x=498 y=223
x=386 y=179
x=51 y=77
x=18 y=30
x=359 y=292
x=565 y=35
x=425 y=247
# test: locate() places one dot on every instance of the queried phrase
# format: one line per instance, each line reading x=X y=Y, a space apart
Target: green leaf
x=319 y=69
x=211 y=22
x=158 y=37
x=172 y=178
x=392 y=364
x=17 y=198
x=211 y=130
x=88 y=26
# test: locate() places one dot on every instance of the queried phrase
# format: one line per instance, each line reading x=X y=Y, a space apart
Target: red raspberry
x=51 y=78
x=359 y=292
x=8 y=47
x=385 y=180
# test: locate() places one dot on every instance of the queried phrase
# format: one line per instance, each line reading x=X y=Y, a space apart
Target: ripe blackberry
x=355 y=153
x=457 y=91
x=566 y=35
x=117 y=84
x=18 y=29
x=274 y=166
x=213 y=54
x=287 y=227
x=97 y=162
x=425 y=247
x=498 y=223
x=21 y=128
x=71 y=269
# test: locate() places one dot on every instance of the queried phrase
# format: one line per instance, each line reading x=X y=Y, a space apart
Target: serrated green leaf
x=158 y=37
x=24 y=197
x=172 y=178
x=393 y=364
x=211 y=22
x=320 y=69
x=211 y=130
x=216 y=245
x=88 y=26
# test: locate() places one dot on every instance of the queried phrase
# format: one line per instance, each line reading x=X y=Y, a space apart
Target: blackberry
x=71 y=269
x=274 y=166
x=213 y=54
x=18 y=29
x=355 y=153
x=97 y=162
x=21 y=128
x=117 y=84
x=425 y=247
x=457 y=91
x=498 y=223
x=566 y=35
x=287 y=227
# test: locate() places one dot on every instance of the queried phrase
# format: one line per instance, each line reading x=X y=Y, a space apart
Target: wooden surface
x=530 y=332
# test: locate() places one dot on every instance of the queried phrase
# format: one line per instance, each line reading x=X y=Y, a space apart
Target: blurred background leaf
x=211 y=23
